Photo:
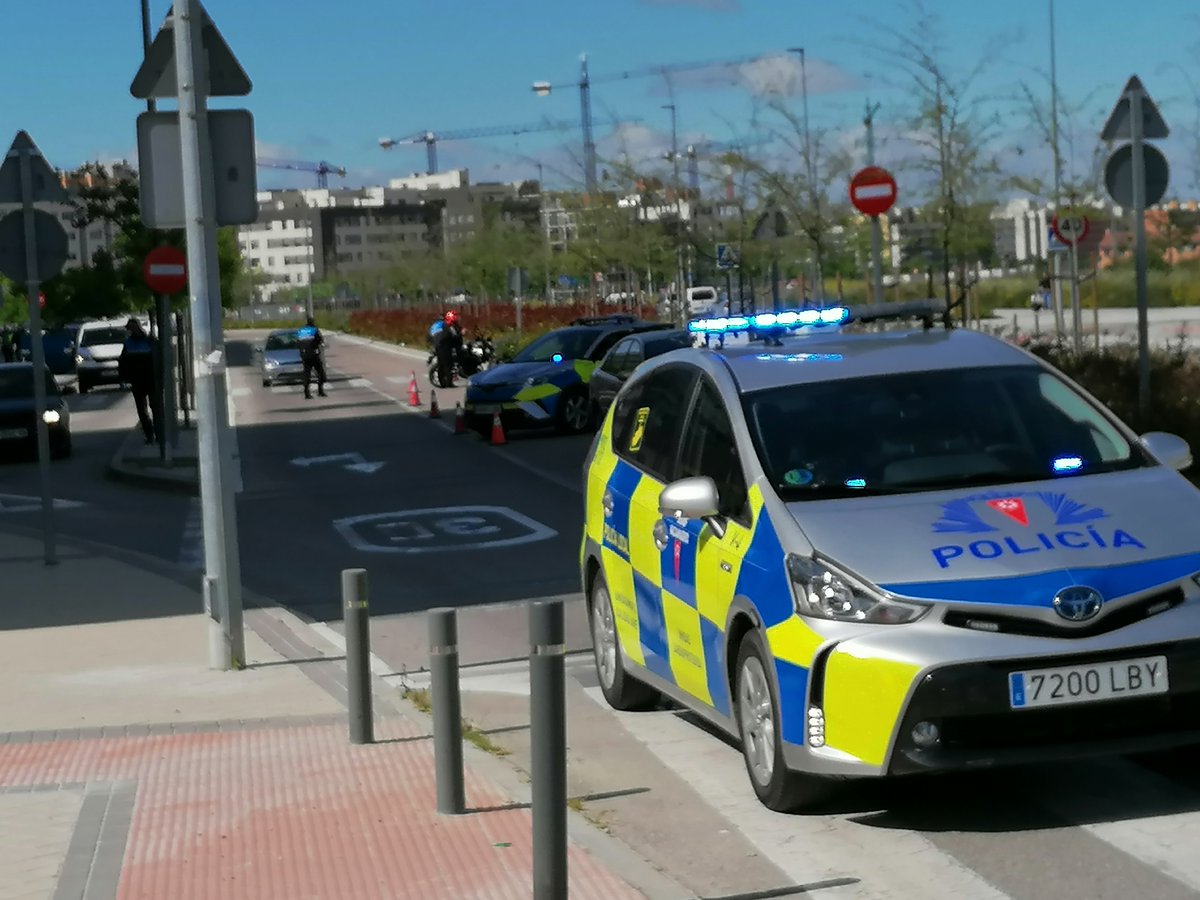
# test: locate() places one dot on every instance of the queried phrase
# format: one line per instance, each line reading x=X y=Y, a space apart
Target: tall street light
x=810 y=175
x=681 y=289
x=1056 y=258
x=543 y=89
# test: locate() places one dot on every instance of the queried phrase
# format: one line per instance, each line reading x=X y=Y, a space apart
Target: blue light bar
x=783 y=320
x=1067 y=464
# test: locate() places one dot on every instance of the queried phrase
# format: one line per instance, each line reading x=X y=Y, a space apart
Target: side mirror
x=693 y=498
x=258 y=348
x=1169 y=449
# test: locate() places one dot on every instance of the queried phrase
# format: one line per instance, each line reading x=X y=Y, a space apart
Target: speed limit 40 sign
x=1070 y=227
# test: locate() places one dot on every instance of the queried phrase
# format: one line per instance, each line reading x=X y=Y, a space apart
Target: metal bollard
x=447 y=711
x=357 y=619
x=548 y=737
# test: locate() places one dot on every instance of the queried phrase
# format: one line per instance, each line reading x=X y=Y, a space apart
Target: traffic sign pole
x=876 y=224
x=223 y=572
x=1139 y=252
x=33 y=291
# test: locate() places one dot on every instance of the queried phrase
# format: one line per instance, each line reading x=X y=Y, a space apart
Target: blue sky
x=331 y=78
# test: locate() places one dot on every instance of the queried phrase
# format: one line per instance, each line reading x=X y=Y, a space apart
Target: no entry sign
x=873 y=191
x=165 y=270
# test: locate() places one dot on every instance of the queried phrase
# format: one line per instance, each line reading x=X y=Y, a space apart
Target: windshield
x=287 y=340
x=927 y=431
x=567 y=343
x=16 y=383
x=667 y=344
x=94 y=336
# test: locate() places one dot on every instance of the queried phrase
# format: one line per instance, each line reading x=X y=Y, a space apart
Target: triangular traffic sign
x=1119 y=124
x=46 y=185
x=156 y=77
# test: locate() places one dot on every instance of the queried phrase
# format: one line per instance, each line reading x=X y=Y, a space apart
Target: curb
x=119 y=470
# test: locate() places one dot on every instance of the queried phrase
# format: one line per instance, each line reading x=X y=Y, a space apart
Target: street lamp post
x=680 y=291
x=544 y=88
x=810 y=175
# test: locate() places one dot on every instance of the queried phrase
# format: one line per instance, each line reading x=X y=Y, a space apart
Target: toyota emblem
x=1078 y=603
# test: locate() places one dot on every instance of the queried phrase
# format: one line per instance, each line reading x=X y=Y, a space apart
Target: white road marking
x=191 y=547
x=360 y=382
x=240 y=392
x=892 y=863
x=14 y=503
x=441 y=529
x=378 y=666
x=399 y=379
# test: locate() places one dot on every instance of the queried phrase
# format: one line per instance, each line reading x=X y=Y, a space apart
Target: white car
x=97 y=350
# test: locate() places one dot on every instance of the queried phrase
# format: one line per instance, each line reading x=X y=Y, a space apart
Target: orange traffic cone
x=414 y=396
x=497 y=431
x=460 y=419
x=434 y=412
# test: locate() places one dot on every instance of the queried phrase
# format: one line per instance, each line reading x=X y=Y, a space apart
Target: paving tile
x=36 y=829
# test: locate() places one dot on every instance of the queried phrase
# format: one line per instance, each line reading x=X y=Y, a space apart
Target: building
x=1022 y=231
x=328 y=234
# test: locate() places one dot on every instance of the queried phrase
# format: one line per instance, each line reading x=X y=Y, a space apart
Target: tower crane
x=322 y=169
x=431 y=138
x=543 y=88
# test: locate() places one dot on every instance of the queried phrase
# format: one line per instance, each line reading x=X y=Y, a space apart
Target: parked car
x=623 y=358
x=279 y=357
x=547 y=382
x=97 y=349
x=59 y=347
x=18 y=412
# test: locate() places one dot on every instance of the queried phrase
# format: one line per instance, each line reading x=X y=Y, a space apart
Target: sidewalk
x=141 y=463
x=130 y=770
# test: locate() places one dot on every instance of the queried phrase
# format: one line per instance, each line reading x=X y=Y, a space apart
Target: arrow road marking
x=355 y=463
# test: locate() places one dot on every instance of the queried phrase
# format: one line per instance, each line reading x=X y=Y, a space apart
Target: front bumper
x=95 y=372
x=513 y=413
x=284 y=373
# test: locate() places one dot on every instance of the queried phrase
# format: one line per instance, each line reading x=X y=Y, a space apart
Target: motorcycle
x=475 y=356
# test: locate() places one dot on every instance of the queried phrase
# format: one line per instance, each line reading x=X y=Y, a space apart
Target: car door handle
x=726 y=567
x=660 y=535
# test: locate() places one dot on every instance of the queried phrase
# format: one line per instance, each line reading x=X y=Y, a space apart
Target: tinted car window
x=94 y=336
x=709 y=449
x=605 y=343
x=287 y=341
x=648 y=423
x=569 y=343
x=931 y=430
x=614 y=362
x=658 y=345
x=17 y=384
x=632 y=359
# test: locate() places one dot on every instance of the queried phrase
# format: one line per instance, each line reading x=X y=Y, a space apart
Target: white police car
x=874 y=553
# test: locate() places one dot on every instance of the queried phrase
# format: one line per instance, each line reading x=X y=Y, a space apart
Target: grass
x=421 y=699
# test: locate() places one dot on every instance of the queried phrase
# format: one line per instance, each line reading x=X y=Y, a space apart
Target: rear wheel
x=619 y=689
x=757 y=709
x=574 y=412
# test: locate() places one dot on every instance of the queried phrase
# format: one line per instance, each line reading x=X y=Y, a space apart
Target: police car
x=547 y=382
x=865 y=551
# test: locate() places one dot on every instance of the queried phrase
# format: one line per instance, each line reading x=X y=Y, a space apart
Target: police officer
x=136 y=367
x=311 y=342
x=449 y=344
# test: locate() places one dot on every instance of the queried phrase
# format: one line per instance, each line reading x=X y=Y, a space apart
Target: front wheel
x=757 y=709
x=574 y=412
x=621 y=691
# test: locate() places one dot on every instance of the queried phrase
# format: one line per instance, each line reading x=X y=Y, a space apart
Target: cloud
x=714 y=5
x=781 y=75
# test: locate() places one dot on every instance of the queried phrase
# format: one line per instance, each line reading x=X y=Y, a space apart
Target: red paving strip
x=302 y=813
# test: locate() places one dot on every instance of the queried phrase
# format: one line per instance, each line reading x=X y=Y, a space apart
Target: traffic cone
x=434 y=412
x=497 y=431
x=414 y=396
x=460 y=419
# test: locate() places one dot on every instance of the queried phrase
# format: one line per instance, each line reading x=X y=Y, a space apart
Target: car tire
x=620 y=690
x=756 y=708
x=573 y=413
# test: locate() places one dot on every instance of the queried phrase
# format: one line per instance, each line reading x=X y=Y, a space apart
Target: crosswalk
x=1104 y=828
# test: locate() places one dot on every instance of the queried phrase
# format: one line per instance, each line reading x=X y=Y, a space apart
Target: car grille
x=994 y=623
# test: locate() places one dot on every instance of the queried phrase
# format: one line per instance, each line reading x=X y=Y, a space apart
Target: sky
x=330 y=79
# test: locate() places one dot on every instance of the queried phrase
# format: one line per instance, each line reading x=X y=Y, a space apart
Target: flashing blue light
x=1067 y=464
x=856 y=482
x=786 y=319
x=556 y=358
x=801 y=357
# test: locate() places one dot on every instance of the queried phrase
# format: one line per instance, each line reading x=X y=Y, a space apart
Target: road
x=312 y=470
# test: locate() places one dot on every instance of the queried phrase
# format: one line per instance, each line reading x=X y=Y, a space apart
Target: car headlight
x=271 y=364
x=82 y=355
x=535 y=380
x=824 y=592
x=51 y=417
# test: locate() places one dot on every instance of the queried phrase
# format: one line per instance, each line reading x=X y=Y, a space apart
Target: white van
x=701 y=299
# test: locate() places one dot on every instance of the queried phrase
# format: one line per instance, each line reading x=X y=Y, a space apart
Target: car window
x=659 y=345
x=605 y=343
x=95 y=336
x=287 y=341
x=648 y=422
x=613 y=363
x=17 y=383
x=930 y=431
x=632 y=359
x=566 y=343
x=709 y=449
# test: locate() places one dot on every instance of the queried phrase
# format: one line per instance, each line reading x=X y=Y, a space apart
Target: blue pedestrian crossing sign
x=726 y=257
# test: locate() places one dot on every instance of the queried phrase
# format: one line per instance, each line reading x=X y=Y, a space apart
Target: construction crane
x=543 y=88
x=322 y=169
x=431 y=138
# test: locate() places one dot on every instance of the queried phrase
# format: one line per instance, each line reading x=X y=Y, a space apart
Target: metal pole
x=166 y=388
x=585 y=110
x=1096 y=303
x=1056 y=259
x=810 y=174
x=1076 y=305
x=312 y=252
x=548 y=740
x=356 y=618
x=681 y=310
x=208 y=352
x=447 y=711
x=1139 y=229
x=38 y=349
x=182 y=354
x=876 y=224
x=151 y=106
